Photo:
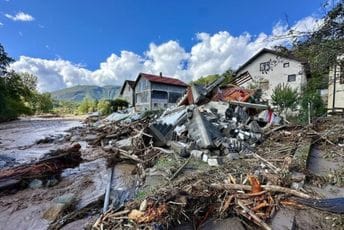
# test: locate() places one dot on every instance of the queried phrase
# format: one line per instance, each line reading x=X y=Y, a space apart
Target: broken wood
x=259 y=221
x=269 y=164
x=67 y=157
x=180 y=168
x=249 y=105
x=269 y=188
x=127 y=155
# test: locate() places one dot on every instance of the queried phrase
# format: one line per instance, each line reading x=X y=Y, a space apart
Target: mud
x=24 y=209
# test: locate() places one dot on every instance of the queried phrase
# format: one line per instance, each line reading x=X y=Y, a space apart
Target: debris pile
x=52 y=164
x=214 y=127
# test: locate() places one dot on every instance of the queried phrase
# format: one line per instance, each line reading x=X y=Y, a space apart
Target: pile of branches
x=198 y=201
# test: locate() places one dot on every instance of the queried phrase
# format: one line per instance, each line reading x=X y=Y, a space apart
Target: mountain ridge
x=79 y=92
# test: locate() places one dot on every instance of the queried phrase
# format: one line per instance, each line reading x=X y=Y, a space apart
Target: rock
x=54 y=212
x=283 y=220
x=61 y=203
x=36 y=184
x=205 y=157
x=298 y=177
x=232 y=156
x=179 y=148
x=125 y=144
x=75 y=138
x=66 y=199
x=143 y=206
x=2 y=164
x=197 y=154
x=51 y=182
x=226 y=224
x=213 y=161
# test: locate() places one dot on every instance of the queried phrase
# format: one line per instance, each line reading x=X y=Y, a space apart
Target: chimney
x=160 y=74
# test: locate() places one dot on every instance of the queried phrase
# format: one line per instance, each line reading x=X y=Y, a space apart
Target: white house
x=127 y=92
x=268 y=68
x=336 y=86
x=154 y=92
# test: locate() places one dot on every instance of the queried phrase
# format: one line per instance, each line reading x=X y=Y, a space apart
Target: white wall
x=339 y=97
x=275 y=75
x=128 y=94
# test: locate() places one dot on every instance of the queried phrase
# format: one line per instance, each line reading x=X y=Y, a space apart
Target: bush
x=284 y=97
x=311 y=94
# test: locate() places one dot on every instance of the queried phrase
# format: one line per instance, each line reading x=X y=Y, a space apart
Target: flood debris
x=221 y=153
x=52 y=164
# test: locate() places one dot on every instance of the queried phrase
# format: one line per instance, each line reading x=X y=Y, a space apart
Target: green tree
x=104 y=106
x=284 y=97
x=44 y=103
x=119 y=103
x=228 y=75
x=311 y=94
x=84 y=105
x=5 y=60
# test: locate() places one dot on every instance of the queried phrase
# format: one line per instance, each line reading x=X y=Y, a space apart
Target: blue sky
x=85 y=33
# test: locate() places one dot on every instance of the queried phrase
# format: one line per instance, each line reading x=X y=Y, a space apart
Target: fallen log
x=66 y=157
x=269 y=188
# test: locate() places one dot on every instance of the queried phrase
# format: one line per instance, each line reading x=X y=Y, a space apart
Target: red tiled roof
x=163 y=80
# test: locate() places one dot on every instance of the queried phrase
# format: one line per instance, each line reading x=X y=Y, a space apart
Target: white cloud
x=20 y=16
x=211 y=54
x=1 y=24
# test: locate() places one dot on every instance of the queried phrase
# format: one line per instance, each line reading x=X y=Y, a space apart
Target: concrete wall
x=339 y=92
x=142 y=95
x=128 y=94
x=172 y=94
x=269 y=70
x=154 y=96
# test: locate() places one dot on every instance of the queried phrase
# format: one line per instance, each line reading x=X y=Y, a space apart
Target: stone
x=54 y=212
x=232 y=156
x=125 y=144
x=66 y=199
x=61 y=203
x=284 y=220
x=143 y=205
x=75 y=138
x=179 y=148
x=213 y=161
x=51 y=182
x=298 y=177
x=233 y=223
x=197 y=154
x=205 y=157
x=36 y=184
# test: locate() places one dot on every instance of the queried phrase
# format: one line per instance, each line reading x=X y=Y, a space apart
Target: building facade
x=153 y=92
x=128 y=92
x=268 y=68
x=335 y=97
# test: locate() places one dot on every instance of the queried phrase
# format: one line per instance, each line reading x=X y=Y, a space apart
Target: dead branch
x=269 y=188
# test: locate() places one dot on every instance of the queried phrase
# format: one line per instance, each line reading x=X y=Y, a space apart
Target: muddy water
x=24 y=209
x=17 y=138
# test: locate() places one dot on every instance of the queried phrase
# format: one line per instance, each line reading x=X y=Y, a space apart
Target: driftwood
x=269 y=188
x=180 y=169
x=253 y=215
x=68 y=157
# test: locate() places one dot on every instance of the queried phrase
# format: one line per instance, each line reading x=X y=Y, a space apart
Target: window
x=291 y=77
x=159 y=94
x=173 y=97
x=264 y=66
x=285 y=64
